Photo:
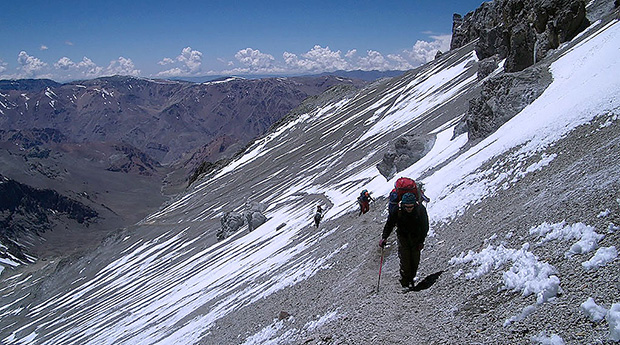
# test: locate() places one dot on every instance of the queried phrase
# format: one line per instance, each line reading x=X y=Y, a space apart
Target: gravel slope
x=582 y=181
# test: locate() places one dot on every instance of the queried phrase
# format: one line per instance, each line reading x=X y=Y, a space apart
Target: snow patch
x=602 y=257
x=543 y=339
x=527 y=311
x=597 y=313
x=526 y=274
x=585 y=234
x=593 y=311
x=312 y=325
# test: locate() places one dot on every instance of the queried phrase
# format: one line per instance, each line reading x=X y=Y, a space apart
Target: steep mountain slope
x=517 y=217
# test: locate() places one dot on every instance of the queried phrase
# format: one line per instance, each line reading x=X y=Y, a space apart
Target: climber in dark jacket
x=411 y=221
x=364 y=201
x=318 y=216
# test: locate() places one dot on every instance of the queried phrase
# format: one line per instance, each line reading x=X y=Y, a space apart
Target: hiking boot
x=406 y=287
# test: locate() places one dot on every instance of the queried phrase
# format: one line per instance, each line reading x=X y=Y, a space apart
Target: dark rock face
x=254 y=215
x=29 y=211
x=33 y=137
x=132 y=160
x=522 y=31
x=407 y=150
x=486 y=67
x=502 y=97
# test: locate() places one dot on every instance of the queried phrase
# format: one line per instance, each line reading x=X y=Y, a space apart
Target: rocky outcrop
x=131 y=160
x=521 y=31
x=407 y=150
x=486 y=67
x=502 y=97
x=254 y=215
x=233 y=221
x=32 y=137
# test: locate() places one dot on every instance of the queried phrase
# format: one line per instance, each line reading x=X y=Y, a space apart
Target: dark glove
x=382 y=242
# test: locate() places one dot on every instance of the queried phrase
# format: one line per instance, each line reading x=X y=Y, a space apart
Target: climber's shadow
x=428 y=281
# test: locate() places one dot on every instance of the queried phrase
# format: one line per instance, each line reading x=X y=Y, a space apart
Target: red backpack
x=404 y=185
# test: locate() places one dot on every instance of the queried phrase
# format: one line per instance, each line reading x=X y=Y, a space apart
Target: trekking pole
x=380 y=266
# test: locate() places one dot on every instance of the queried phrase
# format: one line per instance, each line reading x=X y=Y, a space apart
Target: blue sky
x=67 y=40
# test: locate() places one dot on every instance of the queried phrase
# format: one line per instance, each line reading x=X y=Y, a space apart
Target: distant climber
x=318 y=216
x=364 y=201
x=411 y=221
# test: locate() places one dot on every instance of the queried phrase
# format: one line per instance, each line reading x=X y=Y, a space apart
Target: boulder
x=231 y=222
x=407 y=150
x=254 y=219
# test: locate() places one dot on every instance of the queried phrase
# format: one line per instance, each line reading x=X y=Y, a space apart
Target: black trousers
x=409 y=254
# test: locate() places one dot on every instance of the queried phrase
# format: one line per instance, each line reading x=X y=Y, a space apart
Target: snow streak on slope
x=131 y=301
x=429 y=90
x=173 y=288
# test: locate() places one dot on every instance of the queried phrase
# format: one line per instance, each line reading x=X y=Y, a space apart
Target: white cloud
x=373 y=61
x=122 y=66
x=399 y=63
x=246 y=61
x=166 y=61
x=88 y=69
x=318 y=59
x=188 y=63
x=351 y=53
x=191 y=58
x=226 y=62
x=255 y=60
x=30 y=65
x=64 y=63
x=423 y=52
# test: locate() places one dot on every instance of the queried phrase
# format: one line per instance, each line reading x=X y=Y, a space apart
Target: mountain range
x=517 y=151
x=111 y=143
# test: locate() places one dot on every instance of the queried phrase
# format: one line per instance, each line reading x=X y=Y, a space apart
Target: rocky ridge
x=164 y=119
